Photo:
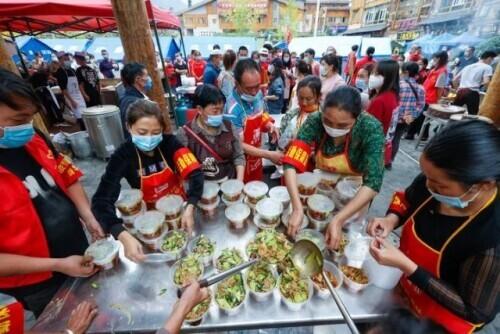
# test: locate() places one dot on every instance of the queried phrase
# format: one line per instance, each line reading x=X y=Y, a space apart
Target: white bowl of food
x=230 y=294
x=326 y=191
x=339 y=253
x=319 y=225
x=227 y=258
x=269 y=246
x=347 y=188
x=319 y=207
x=285 y=218
x=237 y=215
x=354 y=278
x=171 y=206
x=314 y=236
x=174 y=224
x=129 y=202
x=174 y=243
x=334 y=275
x=261 y=280
x=238 y=200
x=295 y=291
x=328 y=180
x=307 y=183
x=104 y=253
x=255 y=191
x=231 y=190
x=210 y=193
x=209 y=210
x=185 y=270
x=280 y=194
x=269 y=211
x=197 y=314
x=129 y=221
x=204 y=248
x=150 y=225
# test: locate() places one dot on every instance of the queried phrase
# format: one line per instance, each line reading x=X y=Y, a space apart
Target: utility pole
x=135 y=34
x=7 y=63
x=490 y=106
x=316 y=19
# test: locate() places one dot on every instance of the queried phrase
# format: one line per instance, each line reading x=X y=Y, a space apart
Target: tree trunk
x=7 y=63
x=135 y=34
x=491 y=104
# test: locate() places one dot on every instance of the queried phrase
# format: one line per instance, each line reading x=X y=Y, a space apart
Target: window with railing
x=452 y=5
x=376 y=15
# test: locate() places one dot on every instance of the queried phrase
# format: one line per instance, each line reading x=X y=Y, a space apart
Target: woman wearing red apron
x=347 y=142
x=151 y=161
x=450 y=244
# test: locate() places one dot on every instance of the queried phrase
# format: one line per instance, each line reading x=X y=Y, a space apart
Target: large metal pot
x=104 y=126
x=80 y=144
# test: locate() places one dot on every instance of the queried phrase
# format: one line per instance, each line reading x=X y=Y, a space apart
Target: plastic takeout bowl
x=237 y=214
x=170 y=205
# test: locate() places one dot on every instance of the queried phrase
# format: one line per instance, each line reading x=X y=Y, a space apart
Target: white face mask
x=333 y=132
x=286 y=59
x=375 y=82
x=324 y=70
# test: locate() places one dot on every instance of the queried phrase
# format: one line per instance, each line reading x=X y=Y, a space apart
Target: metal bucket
x=104 y=126
x=80 y=144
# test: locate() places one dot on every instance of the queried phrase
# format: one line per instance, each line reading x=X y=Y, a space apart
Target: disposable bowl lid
x=210 y=189
x=348 y=187
x=326 y=175
x=256 y=189
x=308 y=179
x=320 y=203
x=269 y=207
x=102 y=249
x=170 y=204
x=232 y=187
x=237 y=212
x=101 y=110
x=149 y=222
x=129 y=197
x=279 y=193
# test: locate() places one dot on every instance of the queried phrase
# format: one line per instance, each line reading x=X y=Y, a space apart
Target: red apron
x=252 y=134
x=431 y=91
x=157 y=185
x=337 y=163
x=430 y=259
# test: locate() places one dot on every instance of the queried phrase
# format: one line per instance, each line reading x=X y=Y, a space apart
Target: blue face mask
x=16 y=136
x=455 y=202
x=214 y=121
x=149 y=84
x=249 y=98
x=147 y=143
x=361 y=85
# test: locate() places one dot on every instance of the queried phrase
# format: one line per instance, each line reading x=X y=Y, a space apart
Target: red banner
x=11 y=318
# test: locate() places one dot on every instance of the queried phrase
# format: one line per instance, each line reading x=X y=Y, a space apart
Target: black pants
x=416 y=125
x=400 y=130
x=468 y=97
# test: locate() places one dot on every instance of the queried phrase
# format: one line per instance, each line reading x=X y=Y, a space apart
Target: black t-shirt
x=179 y=66
x=62 y=77
x=88 y=76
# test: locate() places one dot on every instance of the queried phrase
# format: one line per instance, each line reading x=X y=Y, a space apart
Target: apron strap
x=210 y=150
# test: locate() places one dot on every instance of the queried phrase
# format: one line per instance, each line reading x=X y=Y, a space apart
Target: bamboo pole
x=491 y=104
x=7 y=63
x=135 y=34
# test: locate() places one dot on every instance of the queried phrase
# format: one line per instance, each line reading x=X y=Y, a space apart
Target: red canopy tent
x=36 y=17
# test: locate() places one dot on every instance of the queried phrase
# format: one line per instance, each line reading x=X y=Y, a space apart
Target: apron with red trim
x=337 y=163
x=430 y=259
x=252 y=134
x=159 y=184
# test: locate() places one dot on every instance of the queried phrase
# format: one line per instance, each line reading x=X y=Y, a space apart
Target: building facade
x=333 y=16
x=486 y=20
x=449 y=16
x=369 y=17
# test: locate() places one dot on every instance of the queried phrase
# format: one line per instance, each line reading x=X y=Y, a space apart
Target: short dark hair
x=468 y=151
x=216 y=47
x=278 y=70
x=80 y=57
x=355 y=47
x=310 y=51
x=12 y=86
x=370 y=51
x=410 y=67
x=442 y=57
x=332 y=60
x=244 y=65
x=345 y=98
x=268 y=46
x=304 y=68
x=389 y=69
x=311 y=81
x=229 y=59
x=488 y=54
x=205 y=95
x=242 y=48
x=131 y=71
x=144 y=108
x=425 y=61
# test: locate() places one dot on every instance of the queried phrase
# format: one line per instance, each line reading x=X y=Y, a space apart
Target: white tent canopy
x=342 y=44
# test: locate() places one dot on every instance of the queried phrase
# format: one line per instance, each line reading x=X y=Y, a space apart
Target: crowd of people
x=346 y=120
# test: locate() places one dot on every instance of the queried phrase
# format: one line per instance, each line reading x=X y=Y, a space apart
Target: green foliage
x=241 y=16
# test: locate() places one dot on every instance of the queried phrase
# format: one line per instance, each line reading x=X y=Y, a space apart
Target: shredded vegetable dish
x=204 y=247
x=229 y=258
x=260 y=278
x=293 y=287
x=174 y=242
x=270 y=246
x=230 y=292
x=199 y=310
x=187 y=269
x=354 y=274
x=320 y=282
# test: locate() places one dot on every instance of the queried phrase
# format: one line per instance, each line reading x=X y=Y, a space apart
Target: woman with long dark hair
x=384 y=92
x=450 y=242
x=275 y=93
x=286 y=57
x=329 y=74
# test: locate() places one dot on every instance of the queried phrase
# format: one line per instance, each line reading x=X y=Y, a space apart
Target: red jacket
x=359 y=65
x=382 y=107
x=431 y=91
x=28 y=238
x=196 y=69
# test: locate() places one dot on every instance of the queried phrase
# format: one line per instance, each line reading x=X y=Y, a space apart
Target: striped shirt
x=411 y=98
